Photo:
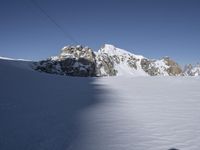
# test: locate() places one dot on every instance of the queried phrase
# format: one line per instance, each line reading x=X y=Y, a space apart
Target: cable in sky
x=67 y=35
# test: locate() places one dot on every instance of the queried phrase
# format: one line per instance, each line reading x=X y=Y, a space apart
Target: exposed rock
x=148 y=67
x=132 y=62
x=165 y=66
x=191 y=70
x=73 y=61
x=174 y=69
x=105 y=65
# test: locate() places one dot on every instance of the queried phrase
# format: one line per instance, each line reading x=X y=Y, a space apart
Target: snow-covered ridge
x=112 y=50
x=107 y=61
x=6 y=58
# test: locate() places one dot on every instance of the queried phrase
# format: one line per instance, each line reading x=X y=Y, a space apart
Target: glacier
x=42 y=111
x=143 y=113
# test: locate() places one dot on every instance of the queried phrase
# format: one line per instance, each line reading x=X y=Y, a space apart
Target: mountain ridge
x=107 y=61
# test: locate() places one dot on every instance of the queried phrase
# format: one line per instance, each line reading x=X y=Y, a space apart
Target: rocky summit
x=107 y=61
x=191 y=70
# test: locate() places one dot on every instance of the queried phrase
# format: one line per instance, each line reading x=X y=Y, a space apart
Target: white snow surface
x=143 y=113
x=112 y=50
x=49 y=112
x=124 y=70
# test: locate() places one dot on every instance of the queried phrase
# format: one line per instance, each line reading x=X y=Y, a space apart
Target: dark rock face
x=105 y=63
x=47 y=66
x=73 y=61
x=132 y=62
x=153 y=68
x=174 y=69
x=191 y=70
x=149 y=68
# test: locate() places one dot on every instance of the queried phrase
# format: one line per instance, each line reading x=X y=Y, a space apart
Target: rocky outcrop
x=173 y=68
x=191 y=70
x=149 y=67
x=165 y=66
x=105 y=65
x=73 y=61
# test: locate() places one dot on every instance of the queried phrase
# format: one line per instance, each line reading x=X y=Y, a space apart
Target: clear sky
x=153 y=28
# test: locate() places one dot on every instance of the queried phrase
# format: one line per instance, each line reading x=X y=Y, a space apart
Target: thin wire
x=67 y=35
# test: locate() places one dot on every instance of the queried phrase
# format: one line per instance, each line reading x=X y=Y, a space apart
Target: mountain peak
x=111 y=50
x=108 y=46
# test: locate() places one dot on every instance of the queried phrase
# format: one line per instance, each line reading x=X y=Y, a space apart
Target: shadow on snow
x=39 y=111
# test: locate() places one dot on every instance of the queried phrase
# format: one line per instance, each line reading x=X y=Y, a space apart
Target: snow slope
x=143 y=113
x=40 y=111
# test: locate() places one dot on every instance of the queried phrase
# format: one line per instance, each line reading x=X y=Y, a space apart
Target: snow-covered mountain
x=191 y=70
x=108 y=61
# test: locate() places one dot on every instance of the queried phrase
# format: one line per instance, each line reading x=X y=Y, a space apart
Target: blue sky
x=153 y=28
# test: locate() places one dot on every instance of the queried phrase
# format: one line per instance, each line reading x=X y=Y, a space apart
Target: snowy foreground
x=50 y=112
